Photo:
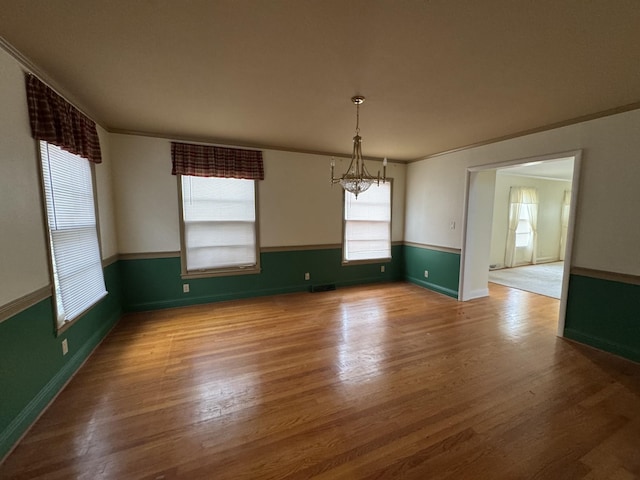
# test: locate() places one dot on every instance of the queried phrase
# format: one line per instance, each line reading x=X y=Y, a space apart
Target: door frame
x=468 y=239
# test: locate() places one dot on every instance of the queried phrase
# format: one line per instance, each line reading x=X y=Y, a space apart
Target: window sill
x=346 y=263
x=64 y=326
x=223 y=272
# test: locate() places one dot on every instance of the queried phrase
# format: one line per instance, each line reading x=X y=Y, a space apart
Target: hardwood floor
x=381 y=381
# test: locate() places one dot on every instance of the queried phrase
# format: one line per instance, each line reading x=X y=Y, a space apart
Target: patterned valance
x=56 y=121
x=210 y=161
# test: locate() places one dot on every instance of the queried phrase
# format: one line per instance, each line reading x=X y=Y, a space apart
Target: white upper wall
x=606 y=233
x=105 y=200
x=297 y=205
x=146 y=194
x=24 y=261
x=23 y=249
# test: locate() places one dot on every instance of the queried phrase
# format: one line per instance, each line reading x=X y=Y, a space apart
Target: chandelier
x=357 y=178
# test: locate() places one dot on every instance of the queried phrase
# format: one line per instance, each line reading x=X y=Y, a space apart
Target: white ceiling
x=437 y=74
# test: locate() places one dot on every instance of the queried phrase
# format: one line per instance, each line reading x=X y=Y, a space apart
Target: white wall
x=297 y=205
x=550 y=197
x=308 y=211
x=605 y=237
x=23 y=249
x=105 y=200
x=478 y=245
x=24 y=261
x=146 y=194
x=434 y=199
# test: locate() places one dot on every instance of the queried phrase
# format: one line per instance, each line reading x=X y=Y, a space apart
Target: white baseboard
x=479 y=293
x=547 y=260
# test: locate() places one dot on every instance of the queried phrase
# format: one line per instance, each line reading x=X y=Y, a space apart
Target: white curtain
x=564 y=222
x=522 y=198
x=531 y=204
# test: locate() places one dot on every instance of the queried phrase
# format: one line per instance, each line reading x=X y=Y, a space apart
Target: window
x=219 y=226
x=523 y=222
x=524 y=233
x=367 y=224
x=73 y=237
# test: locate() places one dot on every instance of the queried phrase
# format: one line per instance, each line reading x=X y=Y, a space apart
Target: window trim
x=59 y=329
x=345 y=262
x=217 y=272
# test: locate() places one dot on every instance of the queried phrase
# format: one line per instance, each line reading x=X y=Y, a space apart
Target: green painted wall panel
x=443 y=267
x=601 y=313
x=29 y=357
x=155 y=283
x=32 y=367
x=605 y=315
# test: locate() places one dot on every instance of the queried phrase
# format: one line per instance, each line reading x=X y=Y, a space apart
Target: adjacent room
x=271 y=239
x=529 y=240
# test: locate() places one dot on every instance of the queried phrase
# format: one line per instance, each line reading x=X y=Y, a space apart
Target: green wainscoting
x=32 y=367
x=443 y=268
x=601 y=313
x=150 y=284
x=604 y=314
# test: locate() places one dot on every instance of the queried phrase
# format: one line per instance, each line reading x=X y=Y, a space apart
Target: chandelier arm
x=357 y=155
x=364 y=171
x=350 y=171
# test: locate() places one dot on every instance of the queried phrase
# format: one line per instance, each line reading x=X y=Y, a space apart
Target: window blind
x=71 y=220
x=367 y=229
x=219 y=222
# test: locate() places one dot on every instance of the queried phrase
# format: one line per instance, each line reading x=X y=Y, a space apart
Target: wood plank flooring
x=372 y=382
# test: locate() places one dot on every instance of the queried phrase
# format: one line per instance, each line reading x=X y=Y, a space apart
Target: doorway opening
x=519 y=214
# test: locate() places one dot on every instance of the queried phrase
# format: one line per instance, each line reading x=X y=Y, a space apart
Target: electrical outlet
x=426 y=274
x=307 y=276
x=185 y=288
x=65 y=347
x=382 y=268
